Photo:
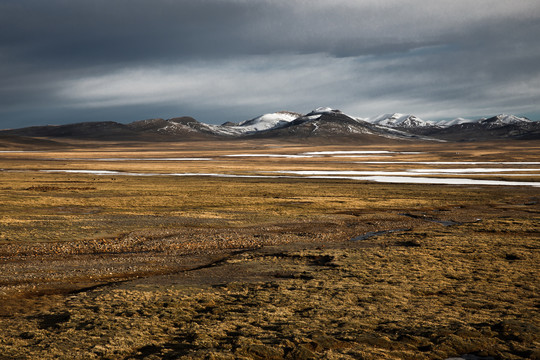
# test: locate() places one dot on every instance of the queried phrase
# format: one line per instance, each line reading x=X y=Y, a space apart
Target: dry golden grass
x=167 y=267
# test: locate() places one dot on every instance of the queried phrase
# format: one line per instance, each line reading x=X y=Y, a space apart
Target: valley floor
x=119 y=259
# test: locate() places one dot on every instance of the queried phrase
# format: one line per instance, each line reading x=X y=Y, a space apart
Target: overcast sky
x=65 y=61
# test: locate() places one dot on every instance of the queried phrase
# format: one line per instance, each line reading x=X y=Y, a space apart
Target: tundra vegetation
x=104 y=265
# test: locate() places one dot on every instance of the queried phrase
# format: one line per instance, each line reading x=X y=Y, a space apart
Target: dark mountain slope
x=496 y=127
x=184 y=128
x=322 y=124
x=335 y=127
x=85 y=130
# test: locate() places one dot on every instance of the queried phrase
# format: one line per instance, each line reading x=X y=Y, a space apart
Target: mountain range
x=323 y=123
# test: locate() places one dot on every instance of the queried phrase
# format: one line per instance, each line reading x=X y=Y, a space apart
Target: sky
x=67 y=61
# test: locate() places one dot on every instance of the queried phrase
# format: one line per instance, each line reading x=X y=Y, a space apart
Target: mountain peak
x=456 y=121
x=269 y=121
x=505 y=119
x=323 y=122
x=324 y=110
x=184 y=120
x=399 y=120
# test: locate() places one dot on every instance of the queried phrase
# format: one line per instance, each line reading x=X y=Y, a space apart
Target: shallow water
x=379 y=178
x=456 y=172
x=271 y=155
x=409 y=172
x=472 y=170
x=19 y=151
x=427 y=180
x=149 y=159
x=350 y=152
x=131 y=159
x=121 y=173
x=361 y=156
x=453 y=162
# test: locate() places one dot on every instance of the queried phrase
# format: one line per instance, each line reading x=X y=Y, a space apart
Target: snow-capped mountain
x=497 y=127
x=456 y=121
x=492 y=122
x=397 y=120
x=323 y=111
x=408 y=121
x=503 y=120
x=322 y=123
x=269 y=121
x=327 y=123
x=259 y=123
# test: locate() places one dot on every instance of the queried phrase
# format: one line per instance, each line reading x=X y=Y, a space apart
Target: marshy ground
x=106 y=265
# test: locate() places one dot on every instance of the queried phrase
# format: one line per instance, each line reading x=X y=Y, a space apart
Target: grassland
x=165 y=267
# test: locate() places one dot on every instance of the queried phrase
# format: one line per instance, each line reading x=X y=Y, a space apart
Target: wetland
x=249 y=250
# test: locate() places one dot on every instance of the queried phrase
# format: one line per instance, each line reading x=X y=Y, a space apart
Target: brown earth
x=162 y=267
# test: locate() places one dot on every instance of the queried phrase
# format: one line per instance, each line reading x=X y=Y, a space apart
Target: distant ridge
x=496 y=127
x=324 y=123
x=12 y=142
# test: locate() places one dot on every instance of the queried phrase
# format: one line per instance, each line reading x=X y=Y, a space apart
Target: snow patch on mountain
x=456 y=121
x=399 y=120
x=492 y=122
x=269 y=121
x=504 y=119
x=325 y=121
x=176 y=128
x=260 y=123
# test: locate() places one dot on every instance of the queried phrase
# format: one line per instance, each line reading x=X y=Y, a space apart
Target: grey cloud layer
x=126 y=30
x=212 y=56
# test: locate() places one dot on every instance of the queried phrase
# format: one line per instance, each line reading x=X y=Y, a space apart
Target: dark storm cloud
x=61 y=33
x=88 y=32
x=131 y=58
